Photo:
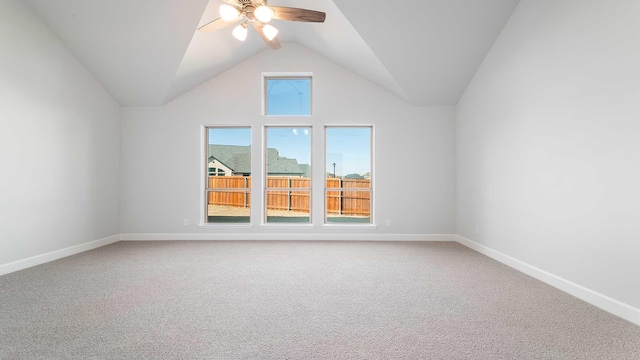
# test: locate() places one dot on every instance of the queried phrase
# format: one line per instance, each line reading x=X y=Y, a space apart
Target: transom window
x=287 y=95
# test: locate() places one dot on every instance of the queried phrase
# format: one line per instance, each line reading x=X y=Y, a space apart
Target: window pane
x=228 y=206
x=288 y=174
x=348 y=206
x=348 y=168
x=288 y=96
x=228 y=175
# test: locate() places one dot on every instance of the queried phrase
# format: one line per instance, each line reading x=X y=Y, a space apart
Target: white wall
x=59 y=144
x=548 y=144
x=161 y=149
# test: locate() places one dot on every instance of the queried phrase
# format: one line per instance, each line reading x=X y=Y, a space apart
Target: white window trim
x=204 y=177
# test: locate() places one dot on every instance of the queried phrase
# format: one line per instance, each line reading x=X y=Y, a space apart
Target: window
x=286 y=178
x=228 y=182
x=287 y=95
x=288 y=175
x=216 y=172
x=348 y=174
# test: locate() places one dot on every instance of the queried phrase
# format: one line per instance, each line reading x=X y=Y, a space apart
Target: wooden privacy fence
x=349 y=202
x=288 y=199
x=346 y=201
x=230 y=198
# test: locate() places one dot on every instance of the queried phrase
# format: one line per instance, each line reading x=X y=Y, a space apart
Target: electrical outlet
x=477 y=229
x=185 y=222
x=388 y=222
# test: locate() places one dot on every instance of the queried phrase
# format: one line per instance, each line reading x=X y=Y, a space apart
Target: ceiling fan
x=259 y=14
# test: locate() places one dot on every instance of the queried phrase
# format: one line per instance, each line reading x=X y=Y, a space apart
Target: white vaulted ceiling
x=146 y=52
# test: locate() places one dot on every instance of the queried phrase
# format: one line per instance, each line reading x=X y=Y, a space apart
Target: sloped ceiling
x=431 y=48
x=146 y=52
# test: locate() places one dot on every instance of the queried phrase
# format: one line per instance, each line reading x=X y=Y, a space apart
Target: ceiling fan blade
x=217 y=24
x=295 y=14
x=273 y=44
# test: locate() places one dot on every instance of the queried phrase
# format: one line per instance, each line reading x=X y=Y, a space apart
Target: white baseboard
x=55 y=255
x=604 y=302
x=289 y=236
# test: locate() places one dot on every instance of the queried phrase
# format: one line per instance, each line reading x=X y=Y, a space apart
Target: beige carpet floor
x=297 y=300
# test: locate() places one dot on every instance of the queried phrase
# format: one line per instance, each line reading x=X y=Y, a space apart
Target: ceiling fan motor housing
x=249 y=8
x=249 y=12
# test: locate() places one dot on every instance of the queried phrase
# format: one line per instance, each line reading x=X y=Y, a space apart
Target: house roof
x=306 y=170
x=282 y=165
x=238 y=159
x=147 y=52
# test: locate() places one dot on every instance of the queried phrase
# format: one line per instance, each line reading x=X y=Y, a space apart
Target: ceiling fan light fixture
x=240 y=32
x=228 y=12
x=269 y=31
x=264 y=14
x=259 y=14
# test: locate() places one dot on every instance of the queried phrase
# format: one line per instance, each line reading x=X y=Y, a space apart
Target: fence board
x=341 y=201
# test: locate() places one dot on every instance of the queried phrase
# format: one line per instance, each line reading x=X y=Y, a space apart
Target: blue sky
x=349 y=148
x=230 y=136
x=289 y=96
x=293 y=143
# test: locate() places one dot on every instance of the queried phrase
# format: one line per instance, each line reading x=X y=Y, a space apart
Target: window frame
x=204 y=218
x=265 y=176
x=371 y=189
